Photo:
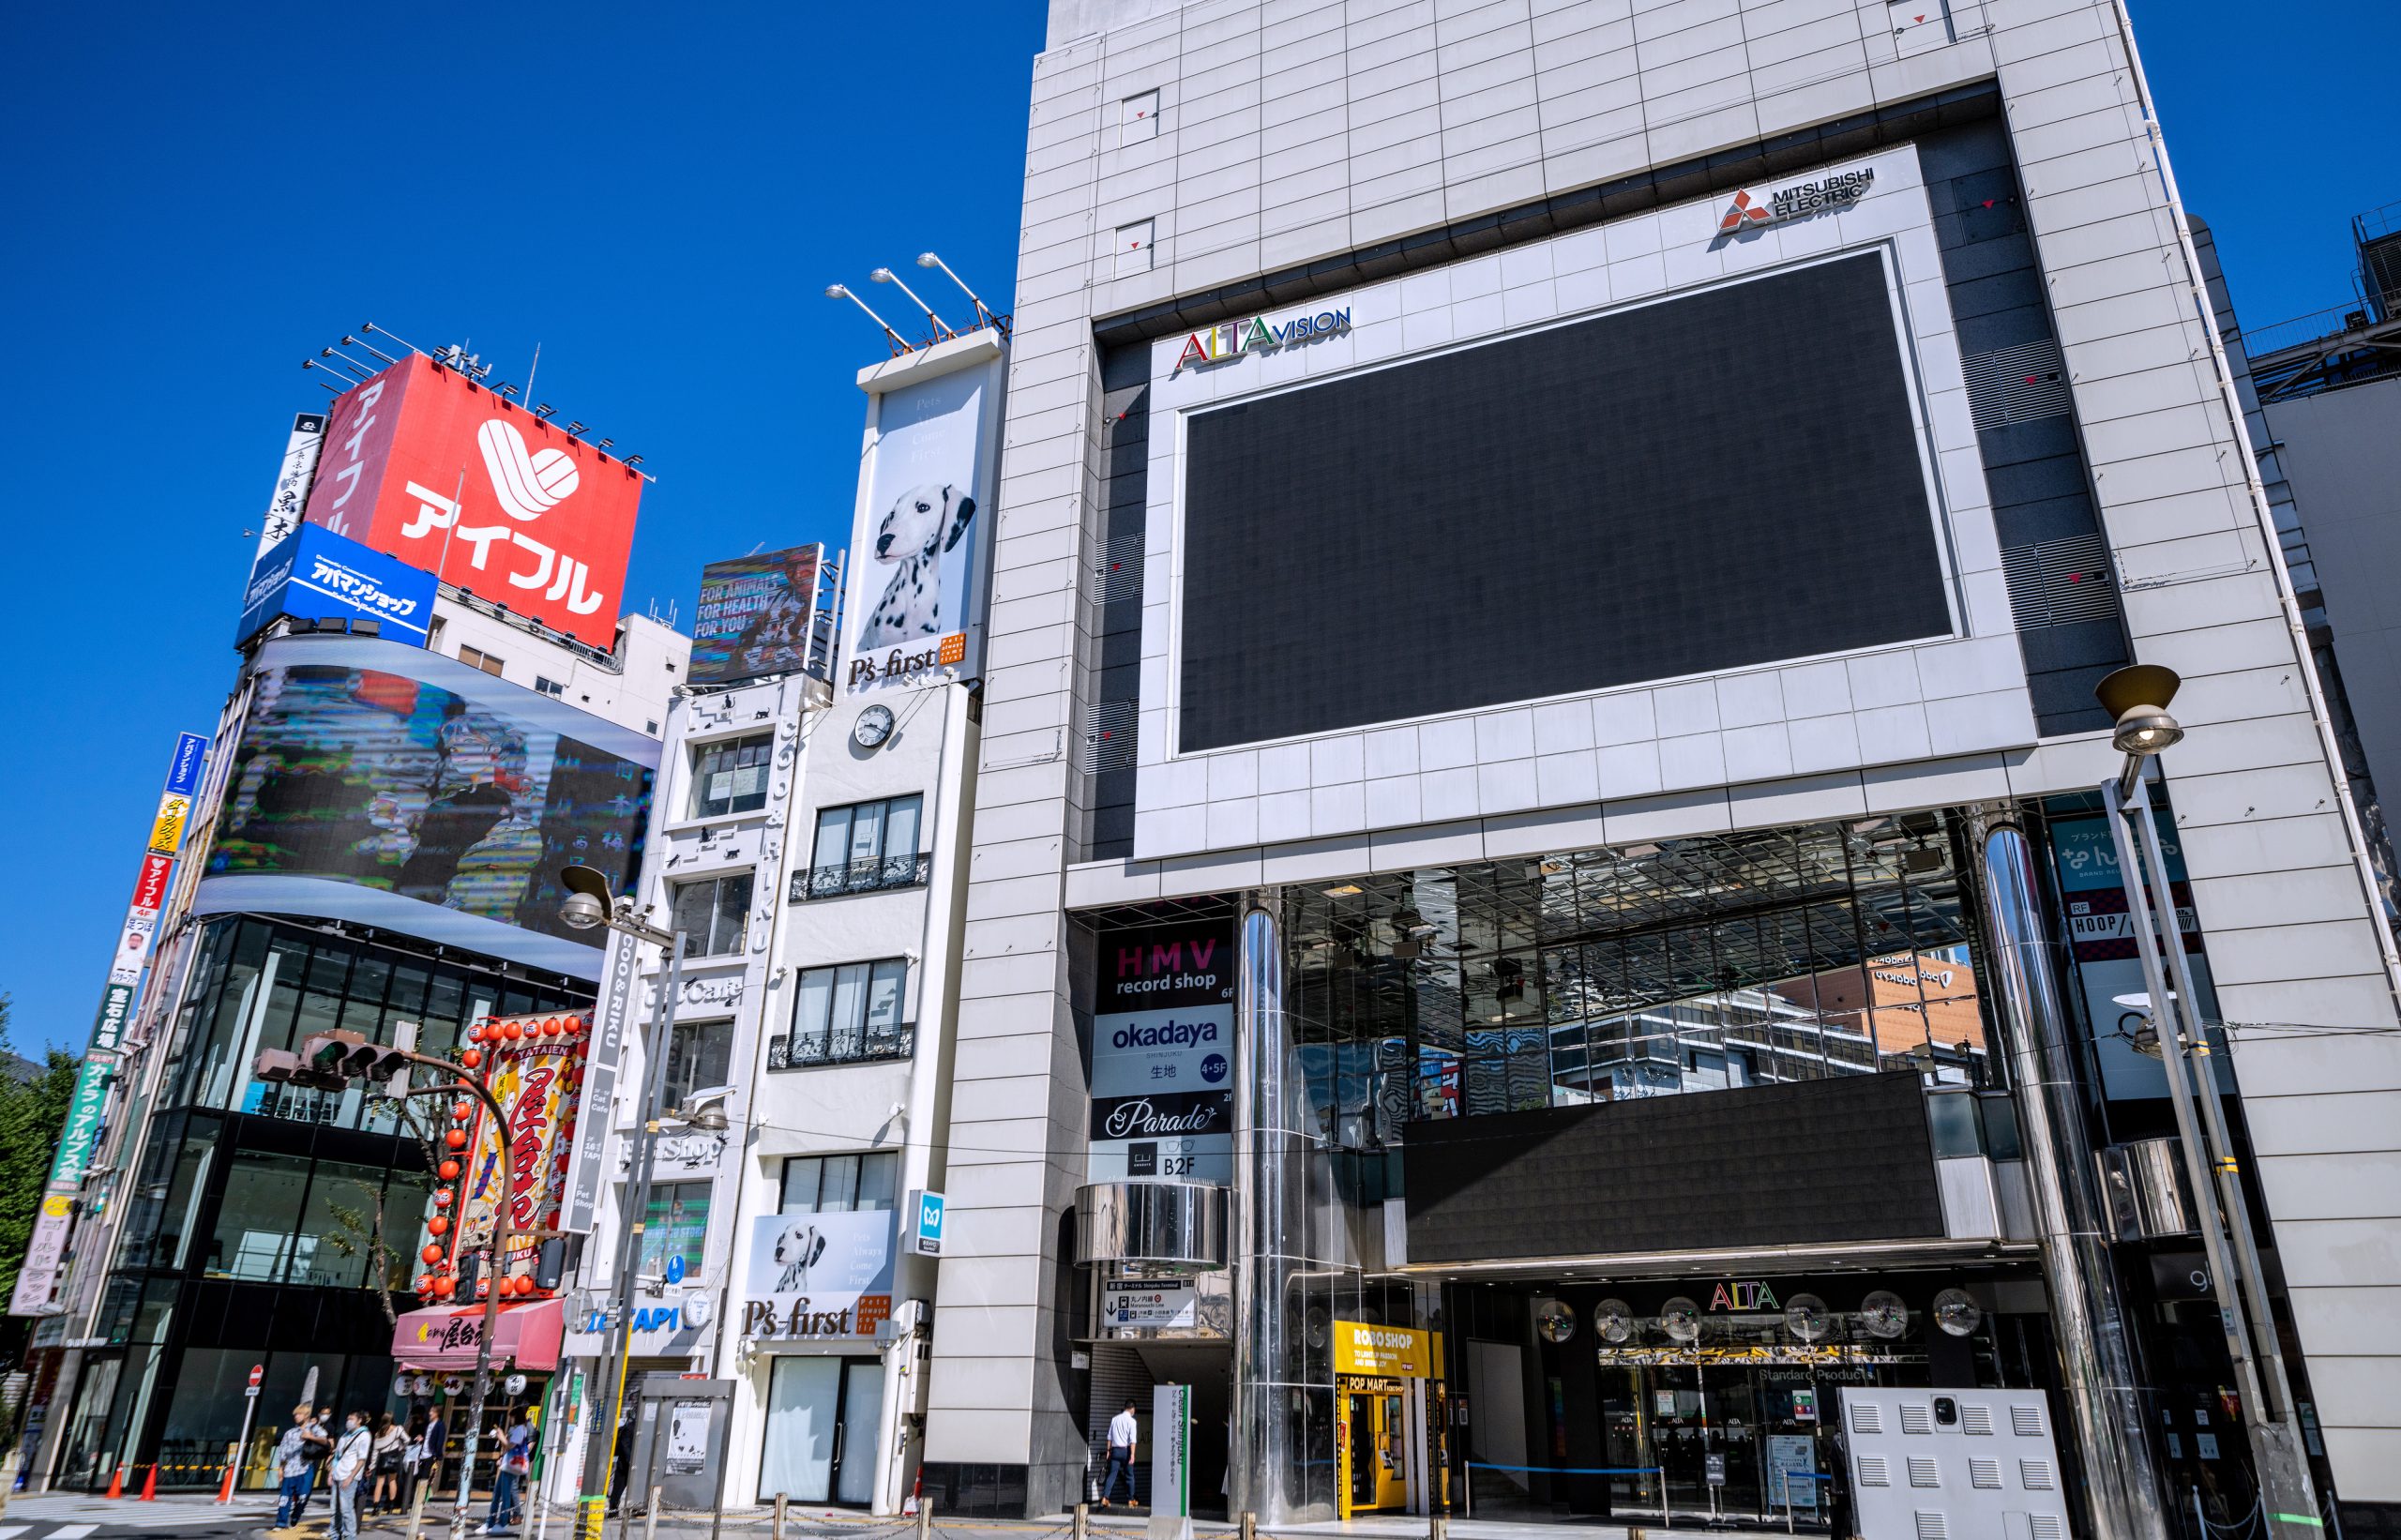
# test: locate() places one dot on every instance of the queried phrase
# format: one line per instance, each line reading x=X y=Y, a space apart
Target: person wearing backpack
x=292 y=1467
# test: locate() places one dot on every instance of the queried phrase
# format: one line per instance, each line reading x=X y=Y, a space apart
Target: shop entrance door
x=824 y=1415
x=1375 y=1448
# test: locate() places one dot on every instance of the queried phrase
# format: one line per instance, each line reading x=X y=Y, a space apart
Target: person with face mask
x=353 y=1453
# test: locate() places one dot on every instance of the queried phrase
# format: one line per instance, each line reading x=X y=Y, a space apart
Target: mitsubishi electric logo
x=1752 y=211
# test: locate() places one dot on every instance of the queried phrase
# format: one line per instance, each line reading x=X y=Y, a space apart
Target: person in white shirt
x=1124 y=1435
x=353 y=1453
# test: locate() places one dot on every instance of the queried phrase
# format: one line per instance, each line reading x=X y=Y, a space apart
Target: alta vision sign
x=1236 y=338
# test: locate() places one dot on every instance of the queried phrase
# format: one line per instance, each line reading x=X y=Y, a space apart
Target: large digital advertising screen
x=422 y=464
x=759 y=615
x=1729 y=478
x=396 y=788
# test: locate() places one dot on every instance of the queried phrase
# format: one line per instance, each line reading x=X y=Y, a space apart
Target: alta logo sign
x=1756 y=211
x=1236 y=338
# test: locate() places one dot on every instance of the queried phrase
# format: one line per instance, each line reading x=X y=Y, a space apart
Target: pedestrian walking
x=321 y=1447
x=1124 y=1435
x=516 y=1451
x=391 y=1444
x=292 y=1468
x=353 y=1455
x=623 y=1470
x=436 y=1438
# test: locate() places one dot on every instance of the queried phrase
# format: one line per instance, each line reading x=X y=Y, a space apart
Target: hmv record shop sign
x=1163 y=1056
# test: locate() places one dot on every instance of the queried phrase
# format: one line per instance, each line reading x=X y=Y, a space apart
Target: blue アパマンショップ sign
x=314 y=574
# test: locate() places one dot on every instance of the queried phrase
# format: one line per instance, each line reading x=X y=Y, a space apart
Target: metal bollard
x=1081 y=1528
x=1438 y=1527
x=1249 y=1525
x=416 y=1508
x=776 y=1528
x=926 y=1519
x=650 y=1516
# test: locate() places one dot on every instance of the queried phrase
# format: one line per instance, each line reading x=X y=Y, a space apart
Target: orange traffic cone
x=117 y=1481
x=150 y=1484
x=225 y=1488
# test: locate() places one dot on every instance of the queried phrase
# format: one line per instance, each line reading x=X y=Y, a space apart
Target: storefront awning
x=445 y=1337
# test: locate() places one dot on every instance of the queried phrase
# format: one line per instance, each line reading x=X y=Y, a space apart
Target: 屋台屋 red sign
x=424 y=464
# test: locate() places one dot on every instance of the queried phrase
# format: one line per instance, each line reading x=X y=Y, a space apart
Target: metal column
x=1271 y=1152
x=2096 y=1361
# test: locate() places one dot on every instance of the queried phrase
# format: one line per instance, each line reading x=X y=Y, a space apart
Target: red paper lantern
x=551 y=1028
x=444 y=1288
x=513 y=1031
x=472 y=1058
x=449 y=1171
x=524 y=1285
x=463 y=1110
x=424 y=1283
x=431 y=1253
x=455 y=1137
x=441 y=1198
x=439 y=1225
x=475 y=1034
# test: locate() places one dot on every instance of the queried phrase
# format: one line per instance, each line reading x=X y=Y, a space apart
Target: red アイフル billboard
x=424 y=464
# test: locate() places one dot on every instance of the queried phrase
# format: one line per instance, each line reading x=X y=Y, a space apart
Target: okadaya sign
x=819 y=1277
x=1163 y=1054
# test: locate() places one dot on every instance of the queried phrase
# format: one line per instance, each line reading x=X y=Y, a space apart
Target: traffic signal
x=330 y=1061
x=275 y=1065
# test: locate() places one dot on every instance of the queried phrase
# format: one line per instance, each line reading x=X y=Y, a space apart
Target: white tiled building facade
x=1450 y=172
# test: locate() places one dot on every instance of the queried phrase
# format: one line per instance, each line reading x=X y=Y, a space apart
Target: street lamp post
x=330 y=1061
x=590 y=903
x=2138 y=698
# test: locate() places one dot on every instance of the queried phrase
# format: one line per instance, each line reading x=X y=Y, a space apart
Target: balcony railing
x=843 y=1046
x=876 y=874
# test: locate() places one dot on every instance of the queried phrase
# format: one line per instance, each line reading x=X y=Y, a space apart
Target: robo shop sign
x=815 y=1276
x=1163 y=1054
x=538 y=1076
x=422 y=464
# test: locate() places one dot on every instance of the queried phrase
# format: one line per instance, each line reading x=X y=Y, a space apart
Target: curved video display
x=404 y=790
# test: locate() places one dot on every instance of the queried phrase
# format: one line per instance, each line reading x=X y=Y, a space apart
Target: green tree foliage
x=33 y=1116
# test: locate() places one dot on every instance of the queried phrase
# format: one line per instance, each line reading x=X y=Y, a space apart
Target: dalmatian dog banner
x=819 y=1275
x=917 y=570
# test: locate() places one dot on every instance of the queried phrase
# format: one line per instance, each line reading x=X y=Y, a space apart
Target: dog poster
x=916 y=573
x=818 y=1275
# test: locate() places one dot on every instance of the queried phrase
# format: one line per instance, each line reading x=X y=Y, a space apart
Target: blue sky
x=201 y=197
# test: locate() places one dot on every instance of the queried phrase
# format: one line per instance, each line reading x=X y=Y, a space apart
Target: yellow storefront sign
x=166 y=830
x=1398 y=1352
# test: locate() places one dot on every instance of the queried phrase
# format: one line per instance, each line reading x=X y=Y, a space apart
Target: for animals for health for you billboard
x=918 y=571
x=1163 y=1056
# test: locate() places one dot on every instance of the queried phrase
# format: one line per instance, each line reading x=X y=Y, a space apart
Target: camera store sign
x=1752 y=211
x=1233 y=338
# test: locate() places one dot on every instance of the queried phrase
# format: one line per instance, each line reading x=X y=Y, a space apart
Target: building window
x=715 y=913
x=842 y=1184
x=865 y=847
x=731 y=776
x=676 y=1223
x=699 y=1056
x=549 y=685
x=476 y=658
x=847 y=1015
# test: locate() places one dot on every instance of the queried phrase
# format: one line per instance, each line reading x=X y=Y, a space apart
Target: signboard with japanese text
x=535 y=1072
x=423 y=464
x=1162 y=1055
x=314 y=574
x=85 y=1110
x=2101 y=938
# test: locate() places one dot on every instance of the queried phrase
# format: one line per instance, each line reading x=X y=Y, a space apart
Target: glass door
x=862 y=1416
x=823 y=1417
x=803 y=1401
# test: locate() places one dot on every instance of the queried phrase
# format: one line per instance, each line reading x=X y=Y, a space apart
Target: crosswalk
x=70 y=1516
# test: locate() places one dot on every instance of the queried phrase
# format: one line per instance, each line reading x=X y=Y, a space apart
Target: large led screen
x=1721 y=480
x=400 y=789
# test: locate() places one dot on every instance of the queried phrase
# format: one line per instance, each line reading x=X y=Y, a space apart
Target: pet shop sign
x=819 y=1275
x=1254 y=334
